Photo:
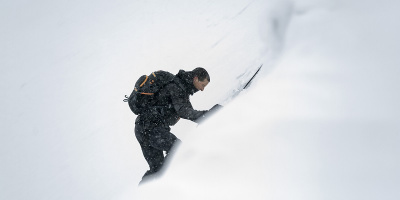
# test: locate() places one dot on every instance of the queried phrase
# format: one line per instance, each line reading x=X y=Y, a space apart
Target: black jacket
x=172 y=103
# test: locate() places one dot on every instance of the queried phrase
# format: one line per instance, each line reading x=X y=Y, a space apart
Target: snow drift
x=322 y=123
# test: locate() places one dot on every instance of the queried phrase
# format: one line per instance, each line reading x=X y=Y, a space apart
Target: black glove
x=215 y=108
x=208 y=113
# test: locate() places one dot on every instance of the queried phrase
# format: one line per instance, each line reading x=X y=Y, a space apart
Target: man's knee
x=174 y=146
x=177 y=142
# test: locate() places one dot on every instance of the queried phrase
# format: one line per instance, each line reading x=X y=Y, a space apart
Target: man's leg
x=153 y=143
x=160 y=138
x=153 y=156
x=155 y=160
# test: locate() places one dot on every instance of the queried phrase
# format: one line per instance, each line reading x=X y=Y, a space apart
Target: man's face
x=200 y=85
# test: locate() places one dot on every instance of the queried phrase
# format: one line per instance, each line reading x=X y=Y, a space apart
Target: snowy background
x=321 y=121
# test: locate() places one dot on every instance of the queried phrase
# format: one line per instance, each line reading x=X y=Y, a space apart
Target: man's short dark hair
x=201 y=73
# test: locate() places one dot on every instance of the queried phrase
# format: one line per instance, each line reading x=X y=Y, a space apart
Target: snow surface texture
x=321 y=120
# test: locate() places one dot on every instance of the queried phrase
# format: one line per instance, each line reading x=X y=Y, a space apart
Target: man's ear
x=195 y=79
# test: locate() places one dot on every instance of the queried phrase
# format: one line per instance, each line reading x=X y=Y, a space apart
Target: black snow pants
x=154 y=141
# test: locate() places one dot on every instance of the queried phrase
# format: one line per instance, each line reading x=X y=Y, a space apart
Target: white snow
x=320 y=121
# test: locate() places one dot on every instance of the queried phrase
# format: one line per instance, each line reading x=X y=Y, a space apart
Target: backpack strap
x=147 y=77
x=144 y=93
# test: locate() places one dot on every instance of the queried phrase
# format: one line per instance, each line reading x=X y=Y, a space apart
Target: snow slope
x=323 y=124
x=320 y=121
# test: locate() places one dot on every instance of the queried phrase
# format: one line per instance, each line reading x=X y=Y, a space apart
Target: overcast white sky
x=319 y=122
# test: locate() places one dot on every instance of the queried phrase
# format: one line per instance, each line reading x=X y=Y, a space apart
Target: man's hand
x=208 y=113
x=215 y=108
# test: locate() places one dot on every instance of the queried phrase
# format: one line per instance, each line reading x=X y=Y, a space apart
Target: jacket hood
x=186 y=79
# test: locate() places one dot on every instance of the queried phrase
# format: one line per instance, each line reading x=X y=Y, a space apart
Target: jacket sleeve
x=182 y=105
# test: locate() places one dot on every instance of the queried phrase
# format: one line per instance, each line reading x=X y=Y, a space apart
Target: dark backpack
x=142 y=97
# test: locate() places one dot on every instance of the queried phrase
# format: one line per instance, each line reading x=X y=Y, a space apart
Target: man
x=152 y=128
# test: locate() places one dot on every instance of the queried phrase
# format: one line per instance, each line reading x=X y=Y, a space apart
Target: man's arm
x=182 y=104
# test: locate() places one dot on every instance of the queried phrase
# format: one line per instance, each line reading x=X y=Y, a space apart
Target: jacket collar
x=186 y=78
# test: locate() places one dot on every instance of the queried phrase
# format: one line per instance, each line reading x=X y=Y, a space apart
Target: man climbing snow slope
x=171 y=102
